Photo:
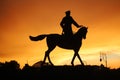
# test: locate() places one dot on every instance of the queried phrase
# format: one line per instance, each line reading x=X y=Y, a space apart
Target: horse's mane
x=81 y=30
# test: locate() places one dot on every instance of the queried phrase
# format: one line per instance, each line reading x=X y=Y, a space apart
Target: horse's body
x=74 y=42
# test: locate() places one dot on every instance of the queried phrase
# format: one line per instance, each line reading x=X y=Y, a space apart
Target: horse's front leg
x=76 y=54
x=72 y=62
x=80 y=59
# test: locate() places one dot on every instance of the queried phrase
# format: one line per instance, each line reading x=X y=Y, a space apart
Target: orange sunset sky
x=21 y=18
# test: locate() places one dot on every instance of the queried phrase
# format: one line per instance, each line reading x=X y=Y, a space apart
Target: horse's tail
x=37 y=38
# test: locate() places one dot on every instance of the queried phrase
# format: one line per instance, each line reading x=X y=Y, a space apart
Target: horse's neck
x=78 y=35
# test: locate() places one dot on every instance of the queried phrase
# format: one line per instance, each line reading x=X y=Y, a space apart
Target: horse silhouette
x=73 y=43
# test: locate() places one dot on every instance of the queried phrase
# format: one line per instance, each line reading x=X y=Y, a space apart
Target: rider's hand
x=81 y=26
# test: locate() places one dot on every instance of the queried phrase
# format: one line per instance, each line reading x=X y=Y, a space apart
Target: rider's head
x=67 y=13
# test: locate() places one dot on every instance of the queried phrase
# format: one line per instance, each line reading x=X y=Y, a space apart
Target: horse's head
x=83 y=31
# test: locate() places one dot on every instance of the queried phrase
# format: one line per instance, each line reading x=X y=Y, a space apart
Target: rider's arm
x=62 y=23
x=75 y=23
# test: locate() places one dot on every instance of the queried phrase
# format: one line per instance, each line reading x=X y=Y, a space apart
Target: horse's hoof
x=52 y=64
x=83 y=64
x=72 y=63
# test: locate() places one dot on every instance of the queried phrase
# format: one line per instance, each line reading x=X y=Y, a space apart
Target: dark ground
x=13 y=72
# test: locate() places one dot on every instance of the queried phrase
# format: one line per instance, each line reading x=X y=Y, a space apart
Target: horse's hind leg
x=45 y=58
x=47 y=54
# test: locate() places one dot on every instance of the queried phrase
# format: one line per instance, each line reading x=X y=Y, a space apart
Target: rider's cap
x=67 y=12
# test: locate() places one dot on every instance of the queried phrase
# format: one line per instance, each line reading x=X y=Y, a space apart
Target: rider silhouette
x=66 y=24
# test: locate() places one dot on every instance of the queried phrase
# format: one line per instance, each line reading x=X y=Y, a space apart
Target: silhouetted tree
x=12 y=65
